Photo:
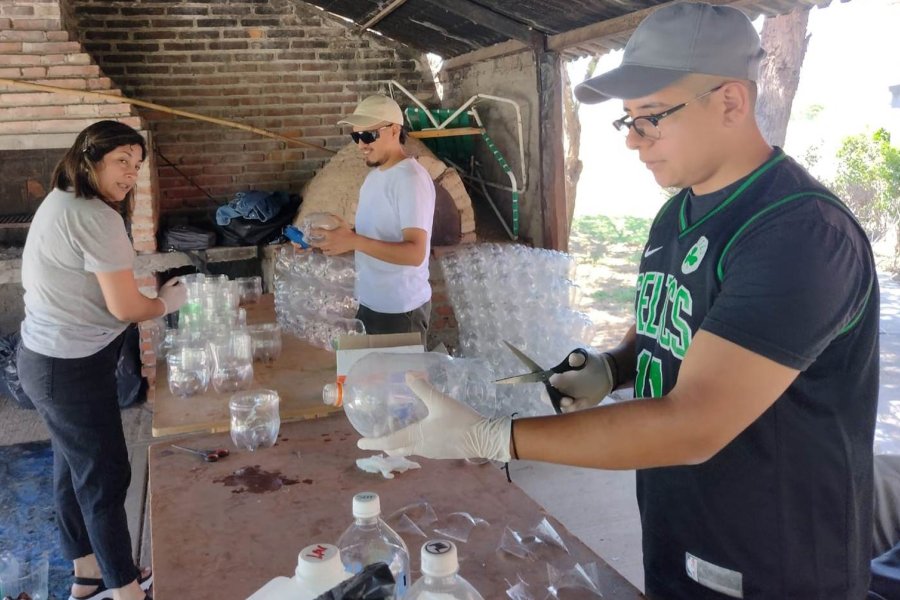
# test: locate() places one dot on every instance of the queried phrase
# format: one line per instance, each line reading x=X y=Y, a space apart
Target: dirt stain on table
x=255 y=480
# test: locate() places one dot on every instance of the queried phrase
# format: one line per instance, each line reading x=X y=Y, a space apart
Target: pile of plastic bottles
x=314 y=296
x=525 y=296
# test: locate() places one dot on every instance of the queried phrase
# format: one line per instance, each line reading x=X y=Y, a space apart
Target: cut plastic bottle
x=440 y=575
x=377 y=400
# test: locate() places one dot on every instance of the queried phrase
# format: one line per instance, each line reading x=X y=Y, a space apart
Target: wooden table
x=213 y=538
x=297 y=375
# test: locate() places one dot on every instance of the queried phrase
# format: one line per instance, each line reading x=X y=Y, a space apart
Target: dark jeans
x=415 y=320
x=77 y=399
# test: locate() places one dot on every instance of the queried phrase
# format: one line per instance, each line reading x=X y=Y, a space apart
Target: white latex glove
x=451 y=430
x=586 y=387
x=173 y=294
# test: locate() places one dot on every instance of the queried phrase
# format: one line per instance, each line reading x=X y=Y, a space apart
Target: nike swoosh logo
x=654 y=251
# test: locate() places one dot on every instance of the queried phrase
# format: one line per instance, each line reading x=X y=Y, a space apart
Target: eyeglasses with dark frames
x=368 y=136
x=647 y=126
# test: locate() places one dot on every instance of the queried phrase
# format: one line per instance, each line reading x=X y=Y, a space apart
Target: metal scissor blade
x=526 y=360
x=538 y=377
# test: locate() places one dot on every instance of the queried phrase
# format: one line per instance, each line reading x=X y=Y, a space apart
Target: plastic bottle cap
x=319 y=565
x=333 y=394
x=439 y=558
x=366 y=505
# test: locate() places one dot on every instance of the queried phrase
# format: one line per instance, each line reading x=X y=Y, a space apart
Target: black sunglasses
x=366 y=137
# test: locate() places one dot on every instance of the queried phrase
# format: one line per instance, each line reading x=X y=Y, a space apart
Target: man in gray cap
x=754 y=353
x=392 y=239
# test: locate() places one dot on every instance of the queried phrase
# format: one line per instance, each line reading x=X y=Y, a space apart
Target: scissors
x=542 y=375
x=208 y=455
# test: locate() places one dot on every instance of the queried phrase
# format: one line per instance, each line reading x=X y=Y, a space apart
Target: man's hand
x=585 y=387
x=451 y=430
x=334 y=241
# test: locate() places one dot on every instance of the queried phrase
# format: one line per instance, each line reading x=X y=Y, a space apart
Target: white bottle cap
x=319 y=568
x=366 y=505
x=439 y=558
x=333 y=394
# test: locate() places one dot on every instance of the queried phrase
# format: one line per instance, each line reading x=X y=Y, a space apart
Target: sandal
x=103 y=593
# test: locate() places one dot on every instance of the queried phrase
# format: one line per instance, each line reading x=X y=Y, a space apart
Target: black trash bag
x=375 y=582
x=251 y=232
x=131 y=386
x=186 y=237
x=9 y=374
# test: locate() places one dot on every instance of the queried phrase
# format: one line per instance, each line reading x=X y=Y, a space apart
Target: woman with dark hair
x=80 y=295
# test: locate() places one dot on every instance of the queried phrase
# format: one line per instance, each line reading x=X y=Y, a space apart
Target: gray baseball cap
x=675 y=41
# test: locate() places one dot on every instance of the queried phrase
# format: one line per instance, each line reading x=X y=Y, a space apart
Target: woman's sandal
x=102 y=593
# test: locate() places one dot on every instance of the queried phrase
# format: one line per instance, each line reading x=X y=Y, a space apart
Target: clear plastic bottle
x=440 y=575
x=319 y=569
x=377 y=400
x=370 y=540
x=318 y=220
x=9 y=573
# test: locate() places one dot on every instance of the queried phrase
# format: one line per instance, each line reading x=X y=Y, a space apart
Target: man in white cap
x=392 y=239
x=754 y=353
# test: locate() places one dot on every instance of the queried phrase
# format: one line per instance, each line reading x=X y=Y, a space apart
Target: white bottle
x=370 y=540
x=319 y=569
x=440 y=575
x=377 y=400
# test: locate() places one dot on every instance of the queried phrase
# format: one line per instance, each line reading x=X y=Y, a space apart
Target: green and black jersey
x=776 y=264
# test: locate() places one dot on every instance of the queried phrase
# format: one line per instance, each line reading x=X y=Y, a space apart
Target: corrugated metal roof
x=450 y=28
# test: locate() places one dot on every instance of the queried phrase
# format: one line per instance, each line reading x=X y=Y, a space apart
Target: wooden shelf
x=440 y=133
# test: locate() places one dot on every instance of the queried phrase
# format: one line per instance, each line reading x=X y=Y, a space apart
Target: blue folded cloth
x=255 y=204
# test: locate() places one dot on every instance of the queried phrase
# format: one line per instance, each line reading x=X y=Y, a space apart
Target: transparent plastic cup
x=232 y=361
x=255 y=419
x=189 y=366
x=250 y=289
x=32 y=580
x=266 y=340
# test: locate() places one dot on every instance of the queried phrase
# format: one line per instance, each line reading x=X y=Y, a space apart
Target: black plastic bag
x=250 y=232
x=186 y=237
x=9 y=374
x=131 y=386
x=375 y=582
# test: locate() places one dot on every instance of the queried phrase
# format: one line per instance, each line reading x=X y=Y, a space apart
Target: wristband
x=614 y=368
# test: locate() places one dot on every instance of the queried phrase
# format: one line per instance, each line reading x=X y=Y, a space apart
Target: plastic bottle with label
x=377 y=400
x=319 y=569
x=370 y=540
x=440 y=575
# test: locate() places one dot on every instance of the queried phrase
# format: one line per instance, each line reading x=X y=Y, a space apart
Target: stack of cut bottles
x=314 y=296
x=522 y=295
x=212 y=342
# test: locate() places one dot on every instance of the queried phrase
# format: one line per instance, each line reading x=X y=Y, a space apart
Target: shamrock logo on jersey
x=695 y=256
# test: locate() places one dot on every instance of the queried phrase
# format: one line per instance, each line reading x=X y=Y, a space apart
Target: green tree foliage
x=868 y=180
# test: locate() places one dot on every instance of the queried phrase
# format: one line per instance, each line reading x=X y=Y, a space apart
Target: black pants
x=78 y=401
x=415 y=320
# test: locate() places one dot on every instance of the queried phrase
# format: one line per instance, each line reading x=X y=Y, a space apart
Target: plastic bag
x=375 y=582
x=130 y=384
x=9 y=374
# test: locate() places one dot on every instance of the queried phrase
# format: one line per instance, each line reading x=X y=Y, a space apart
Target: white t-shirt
x=71 y=239
x=391 y=200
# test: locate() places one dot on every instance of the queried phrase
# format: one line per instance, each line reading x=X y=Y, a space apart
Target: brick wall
x=35 y=48
x=279 y=65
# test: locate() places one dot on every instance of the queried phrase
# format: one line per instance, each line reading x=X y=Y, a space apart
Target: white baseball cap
x=374 y=110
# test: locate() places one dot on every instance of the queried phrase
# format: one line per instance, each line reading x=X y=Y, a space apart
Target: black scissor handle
x=555 y=397
x=565 y=366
